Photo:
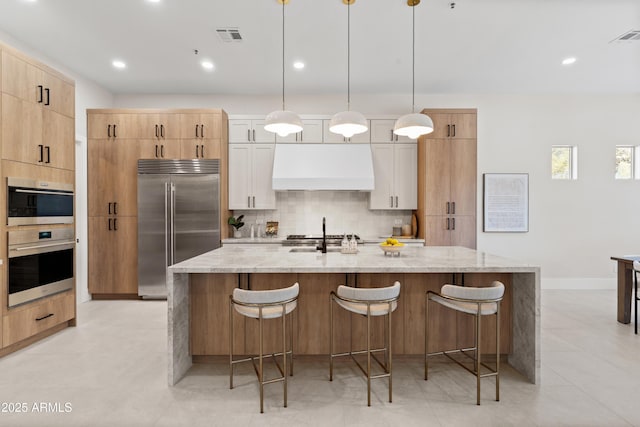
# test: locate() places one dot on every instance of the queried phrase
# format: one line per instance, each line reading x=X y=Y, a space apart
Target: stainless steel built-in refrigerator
x=178 y=217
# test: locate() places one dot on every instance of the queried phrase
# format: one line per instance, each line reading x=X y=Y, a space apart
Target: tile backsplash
x=301 y=212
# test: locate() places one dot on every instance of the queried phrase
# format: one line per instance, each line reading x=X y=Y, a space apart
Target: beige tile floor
x=111 y=370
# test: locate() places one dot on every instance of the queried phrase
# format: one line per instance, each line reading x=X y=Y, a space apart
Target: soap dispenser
x=344 y=246
x=353 y=243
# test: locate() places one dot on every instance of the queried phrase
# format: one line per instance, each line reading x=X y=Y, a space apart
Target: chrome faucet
x=323 y=247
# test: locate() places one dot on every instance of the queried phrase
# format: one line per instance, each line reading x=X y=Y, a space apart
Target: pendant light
x=415 y=124
x=283 y=122
x=348 y=123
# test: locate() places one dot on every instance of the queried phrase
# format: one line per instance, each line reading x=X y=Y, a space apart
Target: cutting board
x=414 y=225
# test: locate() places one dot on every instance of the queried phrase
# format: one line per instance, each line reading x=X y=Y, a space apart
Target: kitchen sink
x=310 y=250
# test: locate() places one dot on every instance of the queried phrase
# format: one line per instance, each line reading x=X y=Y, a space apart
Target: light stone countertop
x=247 y=258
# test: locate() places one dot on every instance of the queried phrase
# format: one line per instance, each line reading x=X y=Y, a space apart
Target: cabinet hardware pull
x=156 y=151
x=453 y=205
x=254 y=201
x=115 y=224
x=301 y=136
x=202 y=151
x=110 y=224
x=248 y=135
x=40 y=97
x=196 y=131
x=162 y=151
x=201 y=131
x=448 y=130
x=41 y=147
x=448 y=228
x=448 y=208
x=453 y=223
x=197 y=151
x=48 y=99
x=115 y=208
x=396 y=201
x=156 y=131
x=48 y=154
x=248 y=201
x=454 y=130
x=108 y=131
x=162 y=131
x=109 y=208
x=114 y=131
x=254 y=135
x=391 y=201
x=44 y=317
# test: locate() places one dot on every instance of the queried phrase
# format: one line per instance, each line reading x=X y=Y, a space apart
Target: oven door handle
x=48 y=245
x=59 y=193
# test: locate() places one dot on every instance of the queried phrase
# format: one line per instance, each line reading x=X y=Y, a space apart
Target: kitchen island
x=199 y=288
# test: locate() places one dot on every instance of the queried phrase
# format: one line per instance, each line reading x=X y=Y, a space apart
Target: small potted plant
x=237 y=224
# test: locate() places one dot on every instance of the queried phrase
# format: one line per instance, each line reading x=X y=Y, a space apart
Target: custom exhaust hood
x=323 y=167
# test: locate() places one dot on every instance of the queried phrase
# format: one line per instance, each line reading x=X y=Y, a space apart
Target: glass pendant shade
x=348 y=123
x=283 y=122
x=413 y=125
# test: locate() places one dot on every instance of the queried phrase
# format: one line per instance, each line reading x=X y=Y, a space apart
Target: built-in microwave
x=38 y=202
x=41 y=263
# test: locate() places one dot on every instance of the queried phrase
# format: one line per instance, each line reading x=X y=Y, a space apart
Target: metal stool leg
x=368 y=355
x=498 y=353
x=230 y=343
x=330 y=338
x=284 y=354
x=426 y=339
x=478 y=357
x=390 y=366
x=261 y=373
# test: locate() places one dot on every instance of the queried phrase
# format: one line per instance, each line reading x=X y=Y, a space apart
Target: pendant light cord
x=349 y=56
x=413 y=65
x=283 y=56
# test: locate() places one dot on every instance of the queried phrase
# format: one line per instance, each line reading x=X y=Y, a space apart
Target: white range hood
x=323 y=167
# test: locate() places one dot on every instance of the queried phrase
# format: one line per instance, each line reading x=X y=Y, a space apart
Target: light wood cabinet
x=395 y=168
x=117 y=140
x=250 y=173
x=36 y=317
x=447 y=180
x=113 y=255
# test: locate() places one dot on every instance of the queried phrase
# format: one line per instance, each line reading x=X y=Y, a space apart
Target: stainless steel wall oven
x=38 y=202
x=40 y=263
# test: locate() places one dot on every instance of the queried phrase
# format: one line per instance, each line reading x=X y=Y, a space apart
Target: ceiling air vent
x=229 y=35
x=629 y=36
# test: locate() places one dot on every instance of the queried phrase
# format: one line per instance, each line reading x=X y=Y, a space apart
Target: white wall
x=574 y=227
x=88 y=95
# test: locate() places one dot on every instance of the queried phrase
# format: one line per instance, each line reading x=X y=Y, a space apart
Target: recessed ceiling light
x=153 y=1
x=569 y=61
x=119 y=64
x=207 y=65
x=298 y=65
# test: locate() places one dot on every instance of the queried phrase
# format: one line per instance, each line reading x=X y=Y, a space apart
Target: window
x=564 y=162
x=626 y=162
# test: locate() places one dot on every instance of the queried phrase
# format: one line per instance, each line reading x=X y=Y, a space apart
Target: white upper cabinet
x=246 y=130
x=395 y=167
x=382 y=131
x=311 y=132
x=250 y=173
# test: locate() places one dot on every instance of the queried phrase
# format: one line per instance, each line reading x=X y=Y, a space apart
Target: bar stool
x=262 y=305
x=477 y=302
x=636 y=270
x=368 y=302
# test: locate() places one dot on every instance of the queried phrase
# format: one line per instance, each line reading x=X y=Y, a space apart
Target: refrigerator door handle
x=167 y=222
x=172 y=212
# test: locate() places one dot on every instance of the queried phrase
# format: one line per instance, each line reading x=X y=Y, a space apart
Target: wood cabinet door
x=239 y=176
x=436 y=232
x=112 y=177
x=261 y=180
x=58 y=140
x=463 y=231
x=463 y=176
x=59 y=95
x=113 y=255
x=158 y=149
x=112 y=125
x=441 y=125
x=383 y=169
x=21 y=130
x=21 y=79
x=437 y=176
x=203 y=126
x=464 y=125
x=405 y=167
x=200 y=149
